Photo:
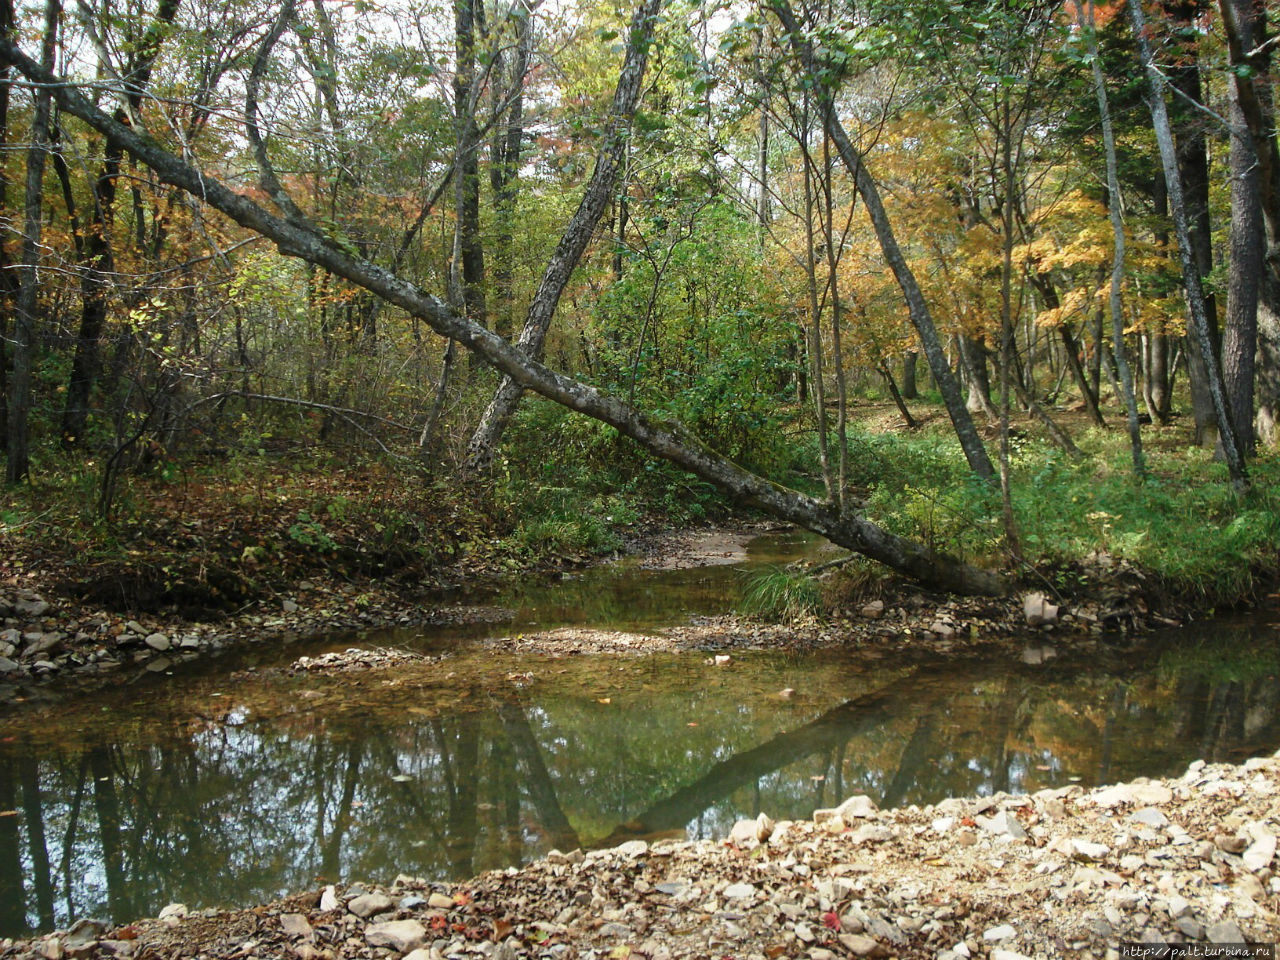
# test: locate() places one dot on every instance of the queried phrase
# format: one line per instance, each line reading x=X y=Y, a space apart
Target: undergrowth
x=1185 y=524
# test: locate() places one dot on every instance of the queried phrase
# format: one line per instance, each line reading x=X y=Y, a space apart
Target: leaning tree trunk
x=574 y=240
x=667 y=440
x=869 y=191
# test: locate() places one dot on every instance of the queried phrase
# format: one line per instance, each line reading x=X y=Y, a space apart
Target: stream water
x=233 y=788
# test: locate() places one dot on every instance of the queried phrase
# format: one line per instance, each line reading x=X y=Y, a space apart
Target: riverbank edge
x=49 y=643
x=1061 y=872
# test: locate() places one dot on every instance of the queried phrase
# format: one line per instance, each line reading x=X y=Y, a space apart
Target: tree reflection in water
x=236 y=810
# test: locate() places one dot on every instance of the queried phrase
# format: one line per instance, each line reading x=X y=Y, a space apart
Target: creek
x=233 y=782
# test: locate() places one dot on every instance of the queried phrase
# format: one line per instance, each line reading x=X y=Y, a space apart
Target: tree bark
x=665 y=439
x=468 y=164
x=8 y=280
x=504 y=170
x=1240 y=336
x=1193 y=170
x=1256 y=186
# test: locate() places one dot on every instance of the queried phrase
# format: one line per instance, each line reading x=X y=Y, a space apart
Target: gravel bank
x=1064 y=872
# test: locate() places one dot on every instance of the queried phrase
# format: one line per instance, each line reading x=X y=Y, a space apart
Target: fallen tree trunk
x=668 y=440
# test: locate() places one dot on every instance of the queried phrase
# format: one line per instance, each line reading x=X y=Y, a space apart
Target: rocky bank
x=44 y=636
x=1061 y=873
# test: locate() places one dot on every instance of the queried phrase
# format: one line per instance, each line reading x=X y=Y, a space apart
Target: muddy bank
x=1063 y=872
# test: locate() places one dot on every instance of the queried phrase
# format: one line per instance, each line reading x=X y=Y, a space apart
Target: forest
x=970 y=289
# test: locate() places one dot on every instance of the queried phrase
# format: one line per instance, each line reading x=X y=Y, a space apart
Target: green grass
x=774 y=593
x=1185 y=523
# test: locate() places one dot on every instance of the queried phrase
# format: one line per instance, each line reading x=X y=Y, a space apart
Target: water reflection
x=210 y=798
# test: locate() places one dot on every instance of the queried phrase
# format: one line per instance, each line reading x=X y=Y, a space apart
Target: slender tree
x=1191 y=280
x=26 y=318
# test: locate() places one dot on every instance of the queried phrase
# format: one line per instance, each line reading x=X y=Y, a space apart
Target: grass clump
x=781 y=595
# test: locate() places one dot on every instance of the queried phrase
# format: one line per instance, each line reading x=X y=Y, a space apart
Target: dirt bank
x=1060 y=873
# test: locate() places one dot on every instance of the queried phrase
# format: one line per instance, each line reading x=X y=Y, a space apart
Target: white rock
x=1086 y=850
x=174 y=911
x=857 y=808
x=943 y=824
x=1037 y=609
x=1150 y=816
x=1225 y=932
x=632 y=849
x=872 y=833
x=370 y=904
x=1002 y=932
x=1004 y=823
x=329 y=898
x=739 y=891
x=1258 y=856
x=1008 y=955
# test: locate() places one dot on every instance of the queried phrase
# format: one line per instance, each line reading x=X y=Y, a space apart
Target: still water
x=235 y=788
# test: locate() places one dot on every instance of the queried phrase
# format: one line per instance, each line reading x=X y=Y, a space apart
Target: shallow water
x=235 y=788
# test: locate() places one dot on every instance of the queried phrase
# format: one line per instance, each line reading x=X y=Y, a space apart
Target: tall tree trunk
x=93 y=248
x=973 y=357
x=468 y=163
x=8 y=279
x=574 y=240
x=1240 y=337
x=1193 y=170
x=1117 y=237
x=504 y=168
x=1253 y=109
x=18 y=462
x=909 y=389
x=869 y=191
x=1191 y=281
x=815 y=341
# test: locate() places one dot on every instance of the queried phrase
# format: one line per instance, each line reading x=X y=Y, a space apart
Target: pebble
x=1257 y=856
x=1150 y=816
x=370 y=904
x=296 y=925
x=861 y=946
x=400 y=935
x=1226 y=931
x=1002 y=932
